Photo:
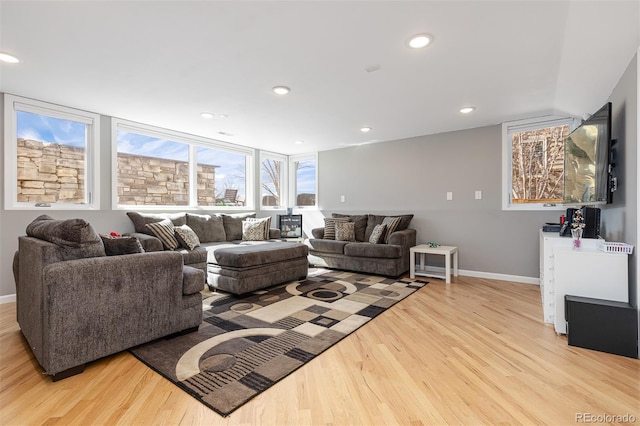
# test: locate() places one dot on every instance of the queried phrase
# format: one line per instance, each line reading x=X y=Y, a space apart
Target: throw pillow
x=360 y=224
x=141 y=219
x=233 y=225
x=187 y=236
x=253 y=231
x=330 y=227
x=116 y=246
x=208 y=228
x=267 y=224
x=165 y=232
x=68 y=232
x=377 y=236
x=345 y=231
x=392 y=223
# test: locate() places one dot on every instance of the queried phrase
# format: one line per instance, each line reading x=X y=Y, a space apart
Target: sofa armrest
x=274 y=233
x=318 y=233
x=149 y=242
x=405 y=238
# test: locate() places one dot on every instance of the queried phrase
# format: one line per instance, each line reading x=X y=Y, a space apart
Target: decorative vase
x=576 y=234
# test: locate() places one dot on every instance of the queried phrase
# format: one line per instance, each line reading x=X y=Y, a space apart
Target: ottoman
x=246 y=268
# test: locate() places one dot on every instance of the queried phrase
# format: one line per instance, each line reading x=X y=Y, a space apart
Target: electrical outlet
x=478 y=195
x=342 y=198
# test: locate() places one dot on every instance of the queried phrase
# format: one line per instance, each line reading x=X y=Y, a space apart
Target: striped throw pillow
x=392 y=224
x=165 y=232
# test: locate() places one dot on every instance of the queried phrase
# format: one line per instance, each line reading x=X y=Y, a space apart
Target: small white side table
x=423 y=249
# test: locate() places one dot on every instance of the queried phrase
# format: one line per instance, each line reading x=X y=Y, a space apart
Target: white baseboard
x=488 y=275
x=503 y=277
x=7 y=299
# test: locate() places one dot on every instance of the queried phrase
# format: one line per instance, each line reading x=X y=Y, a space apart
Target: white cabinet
x=586 y=272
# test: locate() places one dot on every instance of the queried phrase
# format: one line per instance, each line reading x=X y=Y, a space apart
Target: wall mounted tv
x=588 y=166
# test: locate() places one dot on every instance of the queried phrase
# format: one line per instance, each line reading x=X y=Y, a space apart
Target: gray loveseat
x=232 y=263
x=75 y=304
x=389 y=256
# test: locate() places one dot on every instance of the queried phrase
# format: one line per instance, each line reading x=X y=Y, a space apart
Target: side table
x=423 y=249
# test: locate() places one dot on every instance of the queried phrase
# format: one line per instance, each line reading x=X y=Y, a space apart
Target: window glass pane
x=271 y=182
x=222 y=177
x=152 y=170
x=51 y=159
x=305 y=172
x=537 y=165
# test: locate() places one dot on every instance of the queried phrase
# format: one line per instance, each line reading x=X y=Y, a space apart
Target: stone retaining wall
x=48 y=173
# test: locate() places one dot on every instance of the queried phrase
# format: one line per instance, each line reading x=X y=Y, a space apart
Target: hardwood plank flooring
x=472 y=352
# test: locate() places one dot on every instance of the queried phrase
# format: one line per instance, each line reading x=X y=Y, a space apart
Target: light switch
x=478 y=195
x=449 y=196
x=342 y=198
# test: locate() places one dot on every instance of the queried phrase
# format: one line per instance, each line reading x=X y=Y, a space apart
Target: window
x=533 y=162
x=50 y=156
x=303 y=171
x=272 y=180
x=158 y=167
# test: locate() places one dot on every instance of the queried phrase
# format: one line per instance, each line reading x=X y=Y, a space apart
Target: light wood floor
x=472 y=352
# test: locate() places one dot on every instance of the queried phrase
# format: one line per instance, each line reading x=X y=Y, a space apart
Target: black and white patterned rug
x=247 y=343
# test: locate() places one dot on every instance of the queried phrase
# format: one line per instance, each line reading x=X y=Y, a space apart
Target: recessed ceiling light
x=365 y=129
x=467 y=110
x=10 y=59
x=420 y=40
x=298 y=142
x=223 y=116
x=281 y=90
x=207 y=115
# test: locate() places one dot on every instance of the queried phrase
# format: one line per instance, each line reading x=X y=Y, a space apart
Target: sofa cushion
x=373 y=220
x=208 y=228
x=165 y=232
x=243 y=256
x=233 y=225
x=377 y=236
x=384 y=251
x=345 y=231
x=328 y=246
x=191 y=257
x=187 y=237
x=72 y=233
x=116 y=246
x=360 y=222
x=141 y=219
x=192 y=280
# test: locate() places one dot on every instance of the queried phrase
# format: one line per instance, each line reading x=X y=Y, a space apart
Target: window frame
x=266 y=155
x=293 y=180
x=13 y=104
x=510 y=127
x=193 y=142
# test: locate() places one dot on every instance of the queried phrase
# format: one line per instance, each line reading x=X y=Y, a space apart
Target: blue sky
x=48 y=129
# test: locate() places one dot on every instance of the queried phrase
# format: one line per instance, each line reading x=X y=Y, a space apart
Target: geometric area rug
x=248 y=343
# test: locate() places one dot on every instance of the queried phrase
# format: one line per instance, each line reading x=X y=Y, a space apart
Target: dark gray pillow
x=233 y=225
x=121 y=245
x=141 y=219
x=208 y=228
x=75 y=237
x=69 y=232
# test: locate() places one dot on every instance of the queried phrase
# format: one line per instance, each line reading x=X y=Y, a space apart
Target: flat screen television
x=587 y=160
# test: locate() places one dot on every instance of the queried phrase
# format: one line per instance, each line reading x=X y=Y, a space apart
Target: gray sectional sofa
x=389 y=256
x=232 y=264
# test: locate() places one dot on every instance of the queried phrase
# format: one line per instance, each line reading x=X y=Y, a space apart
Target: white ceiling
x=164 y=62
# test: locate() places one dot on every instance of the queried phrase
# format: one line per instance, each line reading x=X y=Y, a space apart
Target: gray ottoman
x=245 y=268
